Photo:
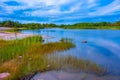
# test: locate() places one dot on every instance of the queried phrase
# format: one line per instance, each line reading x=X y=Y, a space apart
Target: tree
x=7 y=24
x=117 y=23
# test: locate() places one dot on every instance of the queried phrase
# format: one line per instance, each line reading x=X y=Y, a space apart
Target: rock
x=20 y=57
x=84 y=41
x=27 y=77
x=43 y=40
x=48 y=65
x=4 y=75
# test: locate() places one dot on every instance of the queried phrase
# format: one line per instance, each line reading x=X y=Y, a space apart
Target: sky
x=60 y=11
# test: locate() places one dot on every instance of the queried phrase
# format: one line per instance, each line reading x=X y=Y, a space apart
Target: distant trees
x=0 y=24
x=83 y=25
x=97 y=25
x=93 y=24
x=10 y=24
x=32 y=26
x=117 y=23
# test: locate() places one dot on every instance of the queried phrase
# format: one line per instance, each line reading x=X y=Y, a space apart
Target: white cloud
x=53 y=8
x=35 y=4
x=108 y=9
x=56 y=11
x=92 y=3
x=76 y=6
x=46 y=2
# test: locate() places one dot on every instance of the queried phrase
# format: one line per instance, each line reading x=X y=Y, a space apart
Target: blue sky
x=60 y=11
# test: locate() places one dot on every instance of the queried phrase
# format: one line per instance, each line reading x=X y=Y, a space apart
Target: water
x=103 y=46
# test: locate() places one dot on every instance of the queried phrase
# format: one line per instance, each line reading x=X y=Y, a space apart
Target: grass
x=13 y=48
x=73 y=63
x=28 y=55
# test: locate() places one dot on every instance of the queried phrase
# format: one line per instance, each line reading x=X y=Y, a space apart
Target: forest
x=81 y=25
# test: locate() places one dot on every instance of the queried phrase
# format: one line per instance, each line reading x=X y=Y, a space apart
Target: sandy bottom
x=61 y=75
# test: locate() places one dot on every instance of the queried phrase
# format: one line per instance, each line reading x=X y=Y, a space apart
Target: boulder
x=84 y=41
x=4 y=75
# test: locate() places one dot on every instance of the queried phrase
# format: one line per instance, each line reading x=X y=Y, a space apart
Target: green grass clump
x=13 y=48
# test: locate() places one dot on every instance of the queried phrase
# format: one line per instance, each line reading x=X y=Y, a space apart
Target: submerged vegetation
x=28 y=55
x=83 y=25
x=73 y=63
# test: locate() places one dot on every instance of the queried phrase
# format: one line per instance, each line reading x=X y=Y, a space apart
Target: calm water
x=103 y=46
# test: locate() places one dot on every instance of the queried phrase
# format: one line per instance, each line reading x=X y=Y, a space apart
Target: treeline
x=85 y=25
x=97 y=25
x=14 y=24
x=10 y=24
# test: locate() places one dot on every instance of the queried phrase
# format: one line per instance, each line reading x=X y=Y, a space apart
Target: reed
x=73 y=63
x=24 y=53
x=11 y=49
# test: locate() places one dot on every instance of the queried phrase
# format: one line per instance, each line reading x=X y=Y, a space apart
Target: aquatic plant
x=73 y=63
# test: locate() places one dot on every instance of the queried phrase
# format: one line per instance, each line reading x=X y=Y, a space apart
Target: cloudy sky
x=60 y=11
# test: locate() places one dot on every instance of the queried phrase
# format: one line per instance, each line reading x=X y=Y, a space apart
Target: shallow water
x=102 y=47
x=61 y=75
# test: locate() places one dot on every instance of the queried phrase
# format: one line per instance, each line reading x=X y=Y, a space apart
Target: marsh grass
x=20 y=57
x=28 y=55
x=2 y=43
x=13 y=48
x=73 y=63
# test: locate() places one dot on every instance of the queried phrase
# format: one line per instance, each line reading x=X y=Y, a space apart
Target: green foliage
x=99 y=25
x=83 y=25
x=10 y=24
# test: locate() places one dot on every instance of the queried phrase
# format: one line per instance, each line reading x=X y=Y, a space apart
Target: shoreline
x=5 y=28
x=13 y=36
x=6 y=35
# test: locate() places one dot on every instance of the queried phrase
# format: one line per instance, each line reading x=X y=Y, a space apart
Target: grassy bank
x=28 y=55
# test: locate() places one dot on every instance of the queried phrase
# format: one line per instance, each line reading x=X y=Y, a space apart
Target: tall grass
x=20 y=55
x=13 y=48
